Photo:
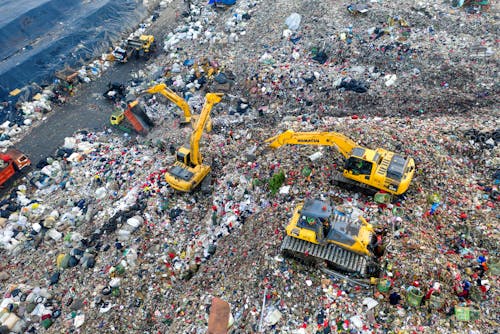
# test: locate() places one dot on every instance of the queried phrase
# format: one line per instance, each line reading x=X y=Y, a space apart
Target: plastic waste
x=414 y=297
x=273 y=316
x=293 y=21
x=54 y=234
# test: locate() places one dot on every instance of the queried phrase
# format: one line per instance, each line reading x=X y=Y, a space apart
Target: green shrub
x=276 y=181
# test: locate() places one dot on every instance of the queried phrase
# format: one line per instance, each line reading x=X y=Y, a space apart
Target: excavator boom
x=172 y=96
x=180 y=102
x=342 y=143
x=188 y=171
x=210 y=100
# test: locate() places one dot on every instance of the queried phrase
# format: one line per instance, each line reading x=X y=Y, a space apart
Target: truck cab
x=11 y=162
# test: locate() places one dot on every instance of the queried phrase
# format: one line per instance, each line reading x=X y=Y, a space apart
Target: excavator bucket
x=279 y=140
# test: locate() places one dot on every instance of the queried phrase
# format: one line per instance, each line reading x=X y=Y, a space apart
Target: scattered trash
x=352 y=85
x=95 y=238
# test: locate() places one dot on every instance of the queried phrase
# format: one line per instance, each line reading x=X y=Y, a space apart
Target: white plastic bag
x=293 y=21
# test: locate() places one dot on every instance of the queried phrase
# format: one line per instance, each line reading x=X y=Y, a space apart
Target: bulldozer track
x=338 y=256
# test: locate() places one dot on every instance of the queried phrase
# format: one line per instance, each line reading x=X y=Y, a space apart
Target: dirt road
x=88 y=109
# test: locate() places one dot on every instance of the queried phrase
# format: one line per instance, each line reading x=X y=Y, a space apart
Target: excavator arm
x=342 y=143
x=180 y=102
x=210 y=100
x=172 y=96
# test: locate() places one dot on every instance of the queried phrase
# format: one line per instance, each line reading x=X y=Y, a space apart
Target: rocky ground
x=96 y=239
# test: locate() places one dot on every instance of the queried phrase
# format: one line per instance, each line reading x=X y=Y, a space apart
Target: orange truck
x=12 y=162
x=135 y=115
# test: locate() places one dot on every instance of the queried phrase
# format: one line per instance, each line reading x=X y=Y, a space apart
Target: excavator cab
x=358 y=166
x=184 y=156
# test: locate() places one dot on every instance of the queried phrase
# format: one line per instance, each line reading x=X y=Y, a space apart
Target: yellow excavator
x=180 y=102
x=188 y=170
x=374 y=170
x=318 y=231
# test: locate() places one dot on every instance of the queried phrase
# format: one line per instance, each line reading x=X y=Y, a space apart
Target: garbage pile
x=95 y=240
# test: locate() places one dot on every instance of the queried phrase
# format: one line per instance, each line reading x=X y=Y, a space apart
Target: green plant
x=276 y=181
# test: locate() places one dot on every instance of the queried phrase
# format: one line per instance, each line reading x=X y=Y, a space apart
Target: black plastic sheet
x=42 y=36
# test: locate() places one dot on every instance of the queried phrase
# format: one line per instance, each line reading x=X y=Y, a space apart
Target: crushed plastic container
x=54 y=234
x=414 y=296
x=384 y=285
x=10 y=320
x=463 y=313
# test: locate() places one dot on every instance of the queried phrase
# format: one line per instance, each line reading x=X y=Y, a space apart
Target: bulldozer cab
x=315 y=216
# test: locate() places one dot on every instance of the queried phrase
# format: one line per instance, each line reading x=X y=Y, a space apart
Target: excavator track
x=339 y=179
x=337 y=256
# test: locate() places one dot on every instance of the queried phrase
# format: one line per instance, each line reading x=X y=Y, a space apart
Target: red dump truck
x=11 y=162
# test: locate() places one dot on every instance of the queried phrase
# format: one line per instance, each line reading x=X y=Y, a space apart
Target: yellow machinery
x=143 y=46
x=319 y=232
x=116 y=117
x=372 y=169
x=180 y=102
x=188 y=171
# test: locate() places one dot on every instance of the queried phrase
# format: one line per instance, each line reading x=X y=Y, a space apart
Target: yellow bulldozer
x=319 y=232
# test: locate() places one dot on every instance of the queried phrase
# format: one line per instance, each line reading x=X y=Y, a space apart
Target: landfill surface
x=94 y=240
